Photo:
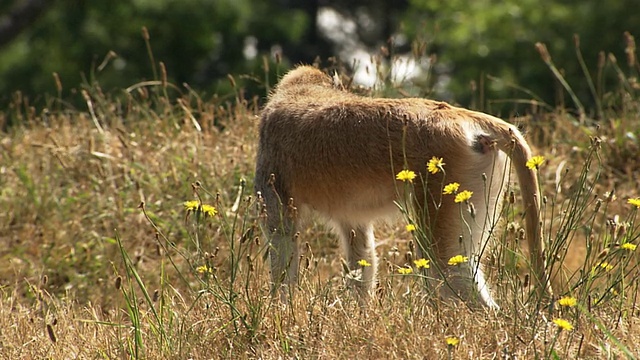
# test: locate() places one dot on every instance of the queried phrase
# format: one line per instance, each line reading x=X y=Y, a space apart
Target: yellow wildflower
x=463 y=196
x=563 y=324
x=567 y=301
x=410 y=228
x=451 y=188
x=191 y=205
x=606 y=266
x=364 y=263
x=195 y=206
x=535 y=162
x=452 y=341
x=435 y=164
x=421 y=263
x=458 y=259
x=629 y=246
x=406 y=175
x=405 y=270
x=209 y=210
x=635 y=202
x=204 y=269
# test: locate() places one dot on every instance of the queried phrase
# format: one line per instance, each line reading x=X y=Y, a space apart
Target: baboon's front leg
x=284 y=255
x=358 y=244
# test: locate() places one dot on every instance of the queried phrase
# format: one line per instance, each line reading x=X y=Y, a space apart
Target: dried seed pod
x=51 y=334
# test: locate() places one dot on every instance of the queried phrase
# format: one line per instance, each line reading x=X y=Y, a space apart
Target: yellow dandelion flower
x=405 y=270
x=606 y=266
x=421 y=263
x=406 y=175
x=191 y=205
x=195 y=206
x=463 y=196
x=202 y=269
x=410 y=227
x=635 y=202
x=603 y=265
x=209 y=210
x=452 y=341
x=458 y=259
x=451 y=188
x=535 y=162
x=563 y=324
x=567 y=301
x=435 y=164
x=364 y=263
x=629 y=246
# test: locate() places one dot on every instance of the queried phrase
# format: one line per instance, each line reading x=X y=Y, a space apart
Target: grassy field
x=103 y=259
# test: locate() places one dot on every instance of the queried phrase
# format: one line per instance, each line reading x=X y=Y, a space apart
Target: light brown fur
x=337 y=153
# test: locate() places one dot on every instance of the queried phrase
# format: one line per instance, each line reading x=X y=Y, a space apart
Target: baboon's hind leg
x=485 y=177
x=467 y=282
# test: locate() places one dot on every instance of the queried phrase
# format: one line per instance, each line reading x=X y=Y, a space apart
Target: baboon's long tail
x=511 y=141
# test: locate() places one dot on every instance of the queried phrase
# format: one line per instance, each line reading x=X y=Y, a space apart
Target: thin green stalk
x=587 y=76
x=133 y=273
x=546 y=57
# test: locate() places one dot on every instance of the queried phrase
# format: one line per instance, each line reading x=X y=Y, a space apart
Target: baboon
x=325 y=149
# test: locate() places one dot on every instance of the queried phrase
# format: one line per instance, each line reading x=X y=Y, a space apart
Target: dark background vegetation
x=201 y=41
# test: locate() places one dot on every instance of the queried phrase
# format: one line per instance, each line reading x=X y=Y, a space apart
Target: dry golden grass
x=87 y=271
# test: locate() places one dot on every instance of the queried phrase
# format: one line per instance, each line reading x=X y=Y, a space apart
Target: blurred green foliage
x=485 y=37
x=201 y=41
